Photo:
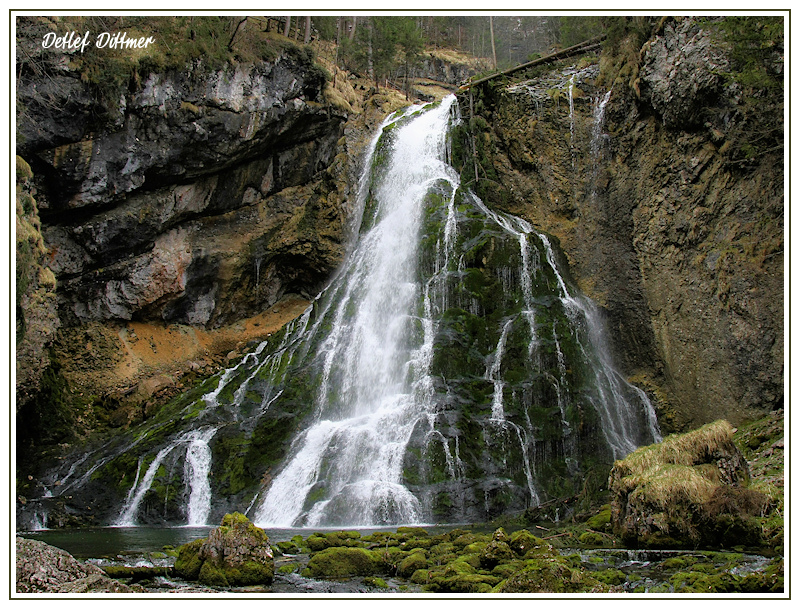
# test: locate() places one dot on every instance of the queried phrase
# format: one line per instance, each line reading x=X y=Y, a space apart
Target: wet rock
x=43 y=568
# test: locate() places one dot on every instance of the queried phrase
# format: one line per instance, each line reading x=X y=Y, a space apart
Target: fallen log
x=582 y=47
x=136 y=573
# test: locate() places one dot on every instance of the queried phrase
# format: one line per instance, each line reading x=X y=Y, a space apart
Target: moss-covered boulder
x=689 y=490
x=523 y=540
x=341 y=562
x=494 y=553
x=337 y=539
x=549 y=574
x=237 y=553
x=411 y=563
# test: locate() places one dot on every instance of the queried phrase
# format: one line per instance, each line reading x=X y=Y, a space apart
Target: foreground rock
x=237 y=553
x=43 y=568
x=688 y=491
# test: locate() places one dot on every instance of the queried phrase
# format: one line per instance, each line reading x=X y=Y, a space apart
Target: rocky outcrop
x=663 y=224
x=237 y=553
x=194 y=200
x=199 y=201
x=681 y=73
x=43 y=568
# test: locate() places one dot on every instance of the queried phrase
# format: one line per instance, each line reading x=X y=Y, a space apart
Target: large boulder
x=689 y=490
x=237 y=553
x=43 y=568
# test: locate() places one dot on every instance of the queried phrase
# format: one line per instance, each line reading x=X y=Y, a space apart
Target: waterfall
x=377 y=331
x=493 y=375
x=449 y=372
x=197 y=465
x=127 y=517
x=352 y=455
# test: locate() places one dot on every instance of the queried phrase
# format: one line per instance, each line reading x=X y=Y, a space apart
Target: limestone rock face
x=680 y=73
x=206 y=197
x=237 y=553
x=43 y=568
x=678 y=242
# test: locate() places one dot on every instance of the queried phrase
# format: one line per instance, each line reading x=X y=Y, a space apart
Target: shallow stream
x=635 y=571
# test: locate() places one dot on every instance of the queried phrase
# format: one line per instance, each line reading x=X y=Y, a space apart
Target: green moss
x=600 y=521
x=211 y=575
x=340 y=562
x=612 y=577
x=376 y=582
x=591 y=539
x=188 y=563
x=412 y=563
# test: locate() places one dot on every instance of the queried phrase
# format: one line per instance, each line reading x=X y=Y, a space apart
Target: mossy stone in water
x=237 y=553
x=339 y=562
x=412 y=563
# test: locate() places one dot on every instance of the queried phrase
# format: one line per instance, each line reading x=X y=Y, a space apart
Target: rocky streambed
x=410 y=560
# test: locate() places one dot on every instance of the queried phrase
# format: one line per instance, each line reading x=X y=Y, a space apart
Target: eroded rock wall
x=680 y=245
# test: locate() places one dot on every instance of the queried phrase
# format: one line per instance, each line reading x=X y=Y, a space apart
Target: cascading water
x=374 y=375
x=449 y=372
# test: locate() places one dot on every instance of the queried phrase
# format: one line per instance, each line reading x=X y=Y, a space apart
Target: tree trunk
x=491 y=32
x=353 y=29
x=287 y=27
x=236 y=31
x=370 y=67
x=307 y=38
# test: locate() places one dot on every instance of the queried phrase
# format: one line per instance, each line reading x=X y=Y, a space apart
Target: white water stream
x=374 y=373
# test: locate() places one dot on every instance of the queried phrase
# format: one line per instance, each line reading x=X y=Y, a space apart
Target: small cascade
x=493 y=375
x=619 y=404
x=598 y=118
x=197 y=468
x=197 y=464
x=127 y=517
x=570 y=88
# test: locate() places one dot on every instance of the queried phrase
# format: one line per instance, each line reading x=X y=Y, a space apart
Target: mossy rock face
x=237 y=553
x=341 y=562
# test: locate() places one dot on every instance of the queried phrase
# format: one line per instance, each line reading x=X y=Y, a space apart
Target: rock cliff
x=198 y=200
x=636 y=167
